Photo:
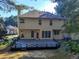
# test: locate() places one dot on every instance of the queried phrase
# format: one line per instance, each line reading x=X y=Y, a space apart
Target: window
x=49 y=34
x=21 y=20
x=50 y=22
x=46 y=34
x=22 y=35
x=56 y=32
x=32 y=34
x=40 y=22
x=43 y=34
x=37 y=35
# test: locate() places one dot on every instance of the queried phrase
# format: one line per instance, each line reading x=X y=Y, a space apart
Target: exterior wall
x=29 y=24
x=27 y=33
x=33 y=24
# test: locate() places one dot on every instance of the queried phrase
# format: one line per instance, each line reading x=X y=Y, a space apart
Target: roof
x=11 y=27
x=41 y=14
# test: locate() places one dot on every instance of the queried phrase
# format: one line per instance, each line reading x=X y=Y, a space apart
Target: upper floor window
x=40 y=22
x=50 y=22
x=21 y=20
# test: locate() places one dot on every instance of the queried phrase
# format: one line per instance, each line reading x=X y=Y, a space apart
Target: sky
x=42 y=5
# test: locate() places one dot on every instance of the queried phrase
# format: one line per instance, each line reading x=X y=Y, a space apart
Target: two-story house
x=41 y=25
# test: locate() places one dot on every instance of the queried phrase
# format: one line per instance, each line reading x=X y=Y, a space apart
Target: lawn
x=38 y=54
x=6 y=42
x=35 y=54
x=4 y=45
x=11 y=36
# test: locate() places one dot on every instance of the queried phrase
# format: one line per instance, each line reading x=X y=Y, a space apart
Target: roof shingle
x=42 y=14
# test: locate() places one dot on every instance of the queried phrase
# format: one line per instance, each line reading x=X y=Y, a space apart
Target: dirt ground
x=32 y=54
x=27 y=54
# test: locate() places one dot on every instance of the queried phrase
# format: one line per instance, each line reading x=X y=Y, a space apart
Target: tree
x=67 y=7
x=11 y=21
x=70 y=9
x=2 y=28
x=7 y=5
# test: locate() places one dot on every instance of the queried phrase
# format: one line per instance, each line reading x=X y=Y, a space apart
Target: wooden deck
x=33 y=43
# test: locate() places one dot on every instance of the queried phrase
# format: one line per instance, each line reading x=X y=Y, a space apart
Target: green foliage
x=7 y=5
x=5 y=42
x=70 y=9
x=11 y=21
x=2 y=28
x=73 y=46
x=67 y=7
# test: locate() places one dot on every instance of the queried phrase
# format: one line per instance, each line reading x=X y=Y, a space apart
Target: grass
x=11 y=36
x=58 y=54
x=28 y=55
x=5 y=44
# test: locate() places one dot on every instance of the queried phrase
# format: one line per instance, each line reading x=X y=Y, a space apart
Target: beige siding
x=33 y=24
x=29 y=24
x=26 y=33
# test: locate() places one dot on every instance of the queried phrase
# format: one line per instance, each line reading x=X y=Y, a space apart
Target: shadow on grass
x=31 y=58
x=57 y=56
x=53 y=57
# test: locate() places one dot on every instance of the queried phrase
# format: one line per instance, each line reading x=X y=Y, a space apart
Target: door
x=37 y=35
x=34 y=34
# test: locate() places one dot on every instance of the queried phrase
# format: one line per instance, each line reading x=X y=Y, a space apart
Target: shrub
x=73 y=46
